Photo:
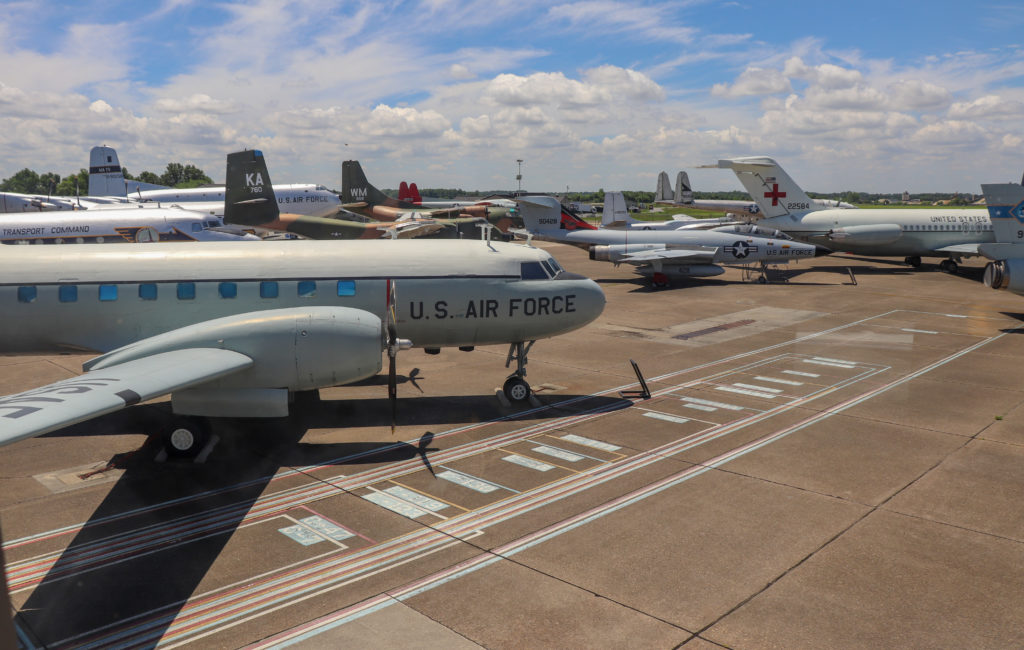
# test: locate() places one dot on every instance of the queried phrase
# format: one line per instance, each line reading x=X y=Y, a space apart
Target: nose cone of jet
x=820 y=251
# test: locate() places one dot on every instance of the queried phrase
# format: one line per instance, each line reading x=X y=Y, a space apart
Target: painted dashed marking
x=907 y=329
x=801 y=374
x=829 y=363
x=529 y=462
x=744 y=391
x=587 y=442
x=415 y=498
x=558 y=453
x=666 y=417
x=763 y=389
x=471 y=482
x=720 y=405
x=700 y=407
x=326 y=528
x=852 y=363
x=773 y=380
x=395 y=504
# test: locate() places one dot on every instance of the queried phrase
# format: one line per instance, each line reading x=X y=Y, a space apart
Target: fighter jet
x=660 y=255
x=230 y=330
x=615 y=215
x=949 y=233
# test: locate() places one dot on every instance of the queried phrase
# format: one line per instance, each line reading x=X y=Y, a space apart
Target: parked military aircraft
x=238 y=212
x=615 y=215
x=1005 y=202
x=409 y=193
x=107 y=179
x=99 y=226
x=660 y=255
x=949 y=233
x=229 y=330
x=683 y=195
x=365 y=199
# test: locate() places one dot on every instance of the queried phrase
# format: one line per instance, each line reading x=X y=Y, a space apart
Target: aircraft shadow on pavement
x=151 y=542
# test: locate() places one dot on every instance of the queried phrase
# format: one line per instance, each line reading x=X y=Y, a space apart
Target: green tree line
x=28 y=181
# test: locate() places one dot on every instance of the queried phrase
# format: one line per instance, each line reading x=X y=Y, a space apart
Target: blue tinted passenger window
x=108 y=292
x=26 y=294
x=186 y=291
x=268 y=290
x=67 y=293
x=307 y=288
x=228 y=290
x=147 y=291
x=346 y=287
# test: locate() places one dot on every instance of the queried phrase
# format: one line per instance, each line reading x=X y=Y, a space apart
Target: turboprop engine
x=293 y=349
x=881 y=233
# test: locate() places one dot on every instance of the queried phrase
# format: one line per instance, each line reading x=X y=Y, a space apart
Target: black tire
x=185 y=437
x=952 y=267
x=914 y=261
x=516 y=389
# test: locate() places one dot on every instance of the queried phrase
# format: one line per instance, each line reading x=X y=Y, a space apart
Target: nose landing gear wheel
x=516 y=389
x=913 y=261
x=186 y=437
x=949 y=266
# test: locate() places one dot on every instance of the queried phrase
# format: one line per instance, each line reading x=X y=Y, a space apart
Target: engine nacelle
x=683 y=270
x=616 y=252
x=882 y=233
x=1006 y=274
x=752 y=230
x=293 y=349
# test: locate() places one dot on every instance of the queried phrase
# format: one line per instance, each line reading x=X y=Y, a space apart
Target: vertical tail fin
x=540 y=213
x=105 y=175
x=356 y=189
x=684 y=193
x=248 y=195
x=1005 y=202
x=615 y=213
x=770 y=187
x=663 y=193
x=414 y=194
x=403 y=191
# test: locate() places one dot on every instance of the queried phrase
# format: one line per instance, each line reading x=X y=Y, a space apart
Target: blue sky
x=873 y=96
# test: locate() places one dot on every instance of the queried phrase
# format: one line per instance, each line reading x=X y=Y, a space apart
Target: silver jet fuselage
x=895 y=232
x=732 y=248
x=448 y=293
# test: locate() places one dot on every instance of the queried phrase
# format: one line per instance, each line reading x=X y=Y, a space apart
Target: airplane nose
x=590 y=301
x=820 y=251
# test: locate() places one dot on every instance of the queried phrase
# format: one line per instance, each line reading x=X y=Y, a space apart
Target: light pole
x=519 y=176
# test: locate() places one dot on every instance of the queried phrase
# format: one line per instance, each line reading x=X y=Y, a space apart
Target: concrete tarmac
x=820 y=464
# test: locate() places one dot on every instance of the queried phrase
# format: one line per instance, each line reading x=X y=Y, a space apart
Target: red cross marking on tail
x=775 y=194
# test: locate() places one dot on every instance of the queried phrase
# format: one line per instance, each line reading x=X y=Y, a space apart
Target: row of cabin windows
x=187 y=290
x=950 y=227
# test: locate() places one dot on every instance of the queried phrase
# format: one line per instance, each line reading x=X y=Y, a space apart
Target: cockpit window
x=554 y=265
x=547 y=267
x=532 y=271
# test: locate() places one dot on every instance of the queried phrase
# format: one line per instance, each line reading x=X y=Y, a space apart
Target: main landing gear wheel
x=949 y=266
x=516 y=389
x=186 y=437
x=914 y=261
x=659 y=281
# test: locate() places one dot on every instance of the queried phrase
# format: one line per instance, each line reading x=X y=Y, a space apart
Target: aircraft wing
x=412 y=228
x=696 y=255
x=962 y=249
x=98 y=392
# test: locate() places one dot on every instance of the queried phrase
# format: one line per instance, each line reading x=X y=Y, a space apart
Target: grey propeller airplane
x=660 y=255
x=231 y=330
x=949 y=233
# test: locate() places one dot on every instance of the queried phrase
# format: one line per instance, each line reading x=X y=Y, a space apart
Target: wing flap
x=700 y=255
x=963 y=249
x=98 y=392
